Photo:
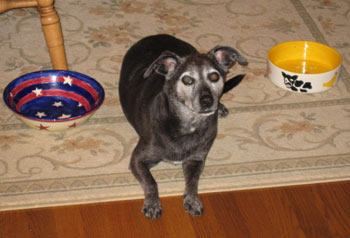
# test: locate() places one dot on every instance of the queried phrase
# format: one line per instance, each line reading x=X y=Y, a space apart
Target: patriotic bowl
x=303 y=66
x=54 y=100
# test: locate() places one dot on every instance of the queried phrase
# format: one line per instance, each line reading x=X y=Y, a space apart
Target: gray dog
x=170 y=94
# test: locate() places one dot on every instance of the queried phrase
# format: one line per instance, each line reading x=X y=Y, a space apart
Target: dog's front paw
x=152 y=208
x=222 y=110
x=193 y=205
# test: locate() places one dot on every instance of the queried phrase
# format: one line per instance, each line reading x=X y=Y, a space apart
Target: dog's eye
x=214 y=77
x=187 y=80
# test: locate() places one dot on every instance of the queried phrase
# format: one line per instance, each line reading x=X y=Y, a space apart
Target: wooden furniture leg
x=51 y=27
x=6 y=5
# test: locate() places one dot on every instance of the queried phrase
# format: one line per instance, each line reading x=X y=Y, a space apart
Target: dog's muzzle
x=206 y=101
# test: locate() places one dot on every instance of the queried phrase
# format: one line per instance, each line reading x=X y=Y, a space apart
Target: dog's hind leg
x=192 y=170
x=140 y=167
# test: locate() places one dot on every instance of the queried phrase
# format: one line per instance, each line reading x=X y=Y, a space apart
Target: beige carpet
x=271 y=138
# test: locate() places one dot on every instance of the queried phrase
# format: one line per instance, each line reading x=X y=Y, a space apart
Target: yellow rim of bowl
x=305 y=57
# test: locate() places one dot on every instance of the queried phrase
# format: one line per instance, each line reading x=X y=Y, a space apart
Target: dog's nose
x=206 y=101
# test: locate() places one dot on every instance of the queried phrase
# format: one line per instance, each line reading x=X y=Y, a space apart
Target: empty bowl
x=54 y=100
x=303 y=66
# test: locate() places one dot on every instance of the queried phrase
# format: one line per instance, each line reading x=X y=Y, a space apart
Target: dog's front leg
x=140 y=167
x=192 y=170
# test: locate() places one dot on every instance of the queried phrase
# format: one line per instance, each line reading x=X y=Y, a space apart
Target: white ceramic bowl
x=54 y=100
x=303 y=66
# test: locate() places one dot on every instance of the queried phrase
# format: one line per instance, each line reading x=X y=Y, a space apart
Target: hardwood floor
x=320 y=210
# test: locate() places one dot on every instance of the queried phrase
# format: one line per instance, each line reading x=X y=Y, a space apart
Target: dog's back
x=133 y=85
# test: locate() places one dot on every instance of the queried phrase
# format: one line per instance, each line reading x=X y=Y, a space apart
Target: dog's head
x=197 y=81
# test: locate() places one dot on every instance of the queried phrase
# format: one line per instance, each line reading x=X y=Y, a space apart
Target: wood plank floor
x=320 y=210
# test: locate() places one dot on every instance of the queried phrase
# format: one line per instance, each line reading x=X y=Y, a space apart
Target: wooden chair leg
x=6 y=5
x=51 y=27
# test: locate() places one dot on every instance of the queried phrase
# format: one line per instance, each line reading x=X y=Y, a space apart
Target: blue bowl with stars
x=54 y=100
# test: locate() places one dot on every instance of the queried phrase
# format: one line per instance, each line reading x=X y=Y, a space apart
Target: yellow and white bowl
x=303 y=66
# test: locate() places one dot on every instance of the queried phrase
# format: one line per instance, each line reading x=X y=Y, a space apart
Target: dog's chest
x=192 y=124
x=188 y=122
x=192 y=139
x=174 y=162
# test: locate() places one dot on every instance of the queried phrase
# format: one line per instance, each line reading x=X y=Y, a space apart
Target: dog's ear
x=165 y=64
x=226 y=56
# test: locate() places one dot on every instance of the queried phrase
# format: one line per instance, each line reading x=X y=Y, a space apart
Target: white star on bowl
x=67 y=80
x=37 y=91
x=57 y=104
x=64 y=116
x=40 y=114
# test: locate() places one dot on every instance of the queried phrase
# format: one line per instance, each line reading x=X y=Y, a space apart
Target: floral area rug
x=272 y=137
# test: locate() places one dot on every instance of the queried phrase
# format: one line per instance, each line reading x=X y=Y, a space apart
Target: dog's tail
x=233 y=82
